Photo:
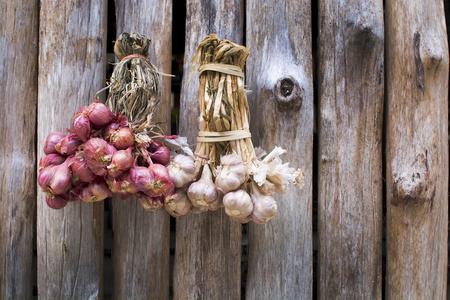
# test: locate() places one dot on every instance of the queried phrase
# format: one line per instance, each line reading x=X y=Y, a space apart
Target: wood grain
x=351 y=91
x=279 y=75
x=141 y=238
x=208 y=246
x=72 y=50
x=417 y=150
x=18 y=86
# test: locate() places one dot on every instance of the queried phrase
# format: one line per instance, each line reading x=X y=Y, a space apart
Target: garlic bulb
x=178 y=204
x=264 y=207
x=238 y=204
x=218 y=203
x=203 y=192
x=181 y=170
x=231 y=173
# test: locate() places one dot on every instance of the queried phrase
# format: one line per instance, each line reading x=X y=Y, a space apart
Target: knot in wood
x=288 y=93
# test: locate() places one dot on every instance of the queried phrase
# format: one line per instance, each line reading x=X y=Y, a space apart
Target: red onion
x=81 y=171
x=142 y=178
x=75 y=191
x=56 y=202
x=121 y=161
x=100 y=115
x=109 y=130
x=154 y=145
x=161 y=156
x=122 y=138
x=51 y=141
x=51 y=159
x=96 y=191
x=69 y=144
x=98 y=154
x=162 y=185
x=122 y=185
x=82 y=127
x=56 y=180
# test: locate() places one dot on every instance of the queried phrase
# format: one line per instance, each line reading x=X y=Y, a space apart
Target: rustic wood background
x=357 y=92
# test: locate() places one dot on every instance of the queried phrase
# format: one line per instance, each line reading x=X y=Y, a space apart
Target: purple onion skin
x=142 y=178
x=121 y=161
x=51 y=141
x=154 y=145
x=81 y=171
x=100 y=115
x=162 y=185
x=161 y=156
x=52 y=159
x=56 y=202
x=122 y=138
x=75 y=192
x=98 y=154
x=69 y=144
x=61 y=180
x=82 y=127
x=45 y=177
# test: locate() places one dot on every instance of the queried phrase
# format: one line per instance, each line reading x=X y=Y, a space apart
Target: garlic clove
x=238 y=204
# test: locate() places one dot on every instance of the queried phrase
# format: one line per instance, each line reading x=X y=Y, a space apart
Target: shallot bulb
x=51 y=159
x=203 y=192
x=98 y=154
x=161 y=156
x=231 y=173
x=178 y=204
x=154 y=145
x=51 y=141
x=181 y=169
x=121 y=161
x=69 y=144
x=142 y=178
x=162 y=185
x=122 y=138
x=56 y=180
x=80 y=170
x=122 y=185
x=57 y=202
x=82 y=126
x=238 y=204
x=100 y=115
x=264 y=207
x=95 y=191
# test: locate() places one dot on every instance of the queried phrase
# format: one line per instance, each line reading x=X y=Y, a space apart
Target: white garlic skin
x=231 y=173
x=238 y=204
x=218 y=203
x=181 y=170
x=264 y=208
x=203 y=192
x=178 y=204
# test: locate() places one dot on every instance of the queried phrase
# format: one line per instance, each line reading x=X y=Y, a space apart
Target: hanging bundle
x=232 y=174
x=113 y=149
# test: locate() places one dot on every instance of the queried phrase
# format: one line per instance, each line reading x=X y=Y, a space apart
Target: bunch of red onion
x=102 y=157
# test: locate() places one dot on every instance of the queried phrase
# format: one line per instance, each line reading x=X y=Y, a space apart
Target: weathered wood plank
x=279 y=74
x=417 y=150
x=351 y=92
x=18 y=86
x=141 y=238
x=72 y=50
x=208 y=246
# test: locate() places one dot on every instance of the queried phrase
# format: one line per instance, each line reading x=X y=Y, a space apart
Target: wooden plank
x=18 y=86
x=141 y=238
x=208 y=246
x=417 y=150
x=279 y=74
x=351 y=92
x=72 y=51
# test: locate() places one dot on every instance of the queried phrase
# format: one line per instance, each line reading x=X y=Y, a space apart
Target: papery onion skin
x=69 y=144
x=98 y=154
x=161 y=156
x=162 y=185
x=81 y=171
x=122 y=138
x=154 y=145
x=51 y=141
x=51 y=159
x=121 y=161
x=100 y=115
x=152 y=204
x=82 y=127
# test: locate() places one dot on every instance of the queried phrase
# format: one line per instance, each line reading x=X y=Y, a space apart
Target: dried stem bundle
x=134 y=88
